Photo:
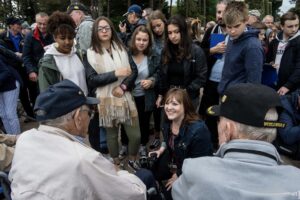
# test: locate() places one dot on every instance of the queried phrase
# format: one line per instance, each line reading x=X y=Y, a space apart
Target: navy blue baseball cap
x=134 y=8
x=60 y=99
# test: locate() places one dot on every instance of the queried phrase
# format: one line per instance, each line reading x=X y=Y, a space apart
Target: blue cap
x=60 y=99
x=134 y=8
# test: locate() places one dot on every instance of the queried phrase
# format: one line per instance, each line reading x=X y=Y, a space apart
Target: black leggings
x=144 y=119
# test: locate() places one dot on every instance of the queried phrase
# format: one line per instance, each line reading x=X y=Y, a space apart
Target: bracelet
x=123 y=87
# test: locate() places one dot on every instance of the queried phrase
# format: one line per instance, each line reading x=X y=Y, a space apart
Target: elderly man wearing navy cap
x=134 y=19
x=246 y=166
x=52 y=161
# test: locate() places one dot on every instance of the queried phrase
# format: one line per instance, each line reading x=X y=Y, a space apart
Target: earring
x=56 y=45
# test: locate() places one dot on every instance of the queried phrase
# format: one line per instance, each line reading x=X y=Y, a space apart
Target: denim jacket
x=193 y=141
x=153 y=66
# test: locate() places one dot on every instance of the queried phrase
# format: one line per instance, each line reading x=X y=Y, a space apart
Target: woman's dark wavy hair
x=183 y=49
x=96 y=42
x=183 y=98
x=61 y=23
x=133 y=48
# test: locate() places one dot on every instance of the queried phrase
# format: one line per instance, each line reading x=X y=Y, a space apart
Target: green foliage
x=265 y=6
x=195 y=8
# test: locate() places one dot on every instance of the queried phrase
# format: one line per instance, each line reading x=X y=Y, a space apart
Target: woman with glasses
x=111 y=78
x=185 y=136
x=62 y=60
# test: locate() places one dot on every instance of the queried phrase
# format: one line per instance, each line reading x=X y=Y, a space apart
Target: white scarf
x=112 y=110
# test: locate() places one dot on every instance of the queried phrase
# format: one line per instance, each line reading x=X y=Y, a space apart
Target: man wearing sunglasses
x=53 y=162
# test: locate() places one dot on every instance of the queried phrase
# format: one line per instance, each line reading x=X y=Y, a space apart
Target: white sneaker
x=123 y=152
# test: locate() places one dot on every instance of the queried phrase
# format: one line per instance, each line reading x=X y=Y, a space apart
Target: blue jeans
x=8 y=110
x=102 y=136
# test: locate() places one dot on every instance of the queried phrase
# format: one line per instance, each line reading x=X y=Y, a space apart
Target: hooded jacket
x=50 y=74
x=244 y=58
x=289 y=69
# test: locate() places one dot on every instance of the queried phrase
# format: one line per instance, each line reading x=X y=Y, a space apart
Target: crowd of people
x=97 y=92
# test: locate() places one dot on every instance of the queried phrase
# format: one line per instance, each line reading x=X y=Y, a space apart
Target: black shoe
x=104 y=150
x=123 y=152
x=27 y=120
x=155 y=144
x=134 y=165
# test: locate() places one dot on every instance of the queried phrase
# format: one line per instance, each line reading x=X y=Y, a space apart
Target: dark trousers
x=162 y=172
x=148 y=179
x=24 y=94
x=144 y=119
x=210 y=98
x=33 y=91
x=94 y=130
x=157 y=119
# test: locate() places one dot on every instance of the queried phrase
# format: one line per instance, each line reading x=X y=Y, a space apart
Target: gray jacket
x=242 y=169
x=84 y=33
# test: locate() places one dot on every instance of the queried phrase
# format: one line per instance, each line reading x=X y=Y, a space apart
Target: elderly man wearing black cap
x=134 y=19
x=84 y=23
x=52 y=162
x=246 y=166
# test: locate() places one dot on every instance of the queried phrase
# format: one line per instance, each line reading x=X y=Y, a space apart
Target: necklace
x=175 y=129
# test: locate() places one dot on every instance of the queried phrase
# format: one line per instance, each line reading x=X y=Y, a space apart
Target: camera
x=148 y=162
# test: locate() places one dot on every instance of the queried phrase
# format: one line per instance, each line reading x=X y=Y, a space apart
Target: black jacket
x=33 y=49
x=194 y=73
x=8 y=76
x=289 y=70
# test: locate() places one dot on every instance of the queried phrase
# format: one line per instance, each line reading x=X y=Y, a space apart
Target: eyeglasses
x=102 y=29
x=91 y=113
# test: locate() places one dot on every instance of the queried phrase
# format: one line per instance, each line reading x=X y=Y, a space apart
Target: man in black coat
x=284 y=54
x=34 y=48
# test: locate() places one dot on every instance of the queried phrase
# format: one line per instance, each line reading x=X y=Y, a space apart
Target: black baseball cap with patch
x=248 y=104
x=77 y=6
x=60 y=99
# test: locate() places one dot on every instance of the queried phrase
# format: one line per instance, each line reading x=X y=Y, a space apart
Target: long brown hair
x=96 y=42
x=156 y=14
x=183 y=98
x=184 y=48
